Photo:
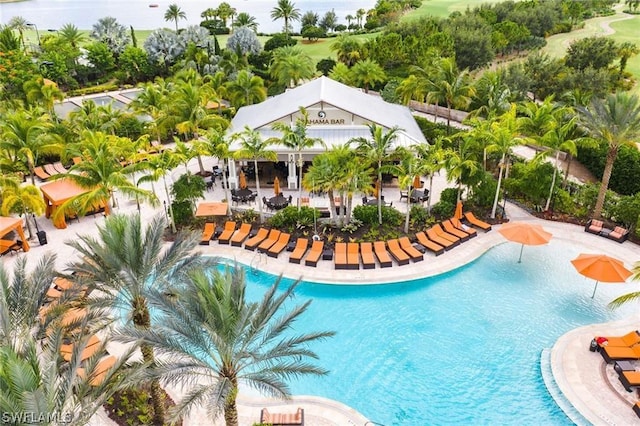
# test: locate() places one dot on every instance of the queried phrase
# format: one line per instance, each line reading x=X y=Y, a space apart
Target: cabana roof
x=59 y=191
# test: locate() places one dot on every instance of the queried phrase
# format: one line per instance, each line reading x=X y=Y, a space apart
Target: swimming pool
x=460 y=348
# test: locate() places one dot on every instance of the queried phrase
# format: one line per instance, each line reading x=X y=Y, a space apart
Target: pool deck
x=590 y=385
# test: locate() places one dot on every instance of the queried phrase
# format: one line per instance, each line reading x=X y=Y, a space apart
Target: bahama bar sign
x=321 y=121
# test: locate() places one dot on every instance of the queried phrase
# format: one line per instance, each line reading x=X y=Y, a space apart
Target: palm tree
x=360 y=13
x=174 y=13
x=124 y=262
x=218 y=147
x=21 y=199
x=225 y=11
x=432 y=158
x=159 y=166
x=615 y=121
x=377 y=151
x=153 y=100
x=252 y=147
x=296 y=139
x=406 y=169
x=348 y=49
x=460 y=162
x=625 y=51
x=42 y=93
x=452 y=86
x=21 y=25
x=246 y=89
x=349 y=18
x=323 y=176
x=290 y=65
x=213 y=332
x=245 y=20
x=72 y=35
x=367 y=72
x=287 y=11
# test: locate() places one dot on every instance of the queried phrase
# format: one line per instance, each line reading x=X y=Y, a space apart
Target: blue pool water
x=460 y=348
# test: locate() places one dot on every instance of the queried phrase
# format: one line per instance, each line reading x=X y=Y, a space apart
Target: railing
x=257 y=259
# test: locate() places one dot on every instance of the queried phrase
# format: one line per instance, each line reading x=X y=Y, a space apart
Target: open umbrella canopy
x=242 y=180
x=601 y=267
x=276 y=186
x=525 y=233
x=211 y=209
x=458 y=212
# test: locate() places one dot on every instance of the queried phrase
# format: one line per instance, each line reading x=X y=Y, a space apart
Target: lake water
x=52 y=14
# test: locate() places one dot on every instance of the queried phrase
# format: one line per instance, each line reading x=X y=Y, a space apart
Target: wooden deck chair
x=282 y=419
x=93 y=345
x=380 y=249
x=40 y=173
x=299 y=250
x=99 y=373
x=397 y=253
x=413 y=252
x=279 y=246
x=59 y=167
x=450 y=229
x=433 y=236
x=353 y=256
x=314 y=253
x=366 y=254
x=443 y=234
x=477 y=222
x=271 y=239
x=340 y=256
x=240 y=235
x=227 y=233
x=50 y=169
x=437 y=249
x=464 y=228
x=207 y=233
x=253 y=242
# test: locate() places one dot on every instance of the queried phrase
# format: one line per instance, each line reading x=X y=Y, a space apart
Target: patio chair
x=628 y=340
x=279 y=246
x=59 y=167
x=207 y=233
x=92 y=346
x=413 y=253
x=254 y=241
x=401 y=257
x=353 y=256
x=444 y=234
x=450 y=229
x=461 y=226
x=271 y=239
x=619 y=353
x=425 y=242
x=240 y=235
x=366 y=253
x=380 y=250
x=227 y=233
x=629 y=379
x=299 y=250
x=40 y=173
x=594 y=226
x=99 y=373
x=282 y=419
x=340 y=257
x=433 y=236
x=469 y=216
x=50 y=169
x=618 y=234
x=314 y=254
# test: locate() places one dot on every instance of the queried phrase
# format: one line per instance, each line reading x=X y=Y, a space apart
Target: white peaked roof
x=324 y=90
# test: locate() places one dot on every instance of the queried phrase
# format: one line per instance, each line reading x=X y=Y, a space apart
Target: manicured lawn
x=443 y=8
x=627 y=31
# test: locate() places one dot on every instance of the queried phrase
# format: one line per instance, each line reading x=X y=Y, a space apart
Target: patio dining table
x=244 y=194
x=279 y=202
x=374 y=202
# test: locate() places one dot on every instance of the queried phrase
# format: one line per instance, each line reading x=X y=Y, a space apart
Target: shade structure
x=212 y=208
x=276 y=186
x=601 y=268
x=242 y=180
x=525 y=233
x=376 y=189
x=417 y=183
x=8 y=224
x=55 y=194
x=458 y=212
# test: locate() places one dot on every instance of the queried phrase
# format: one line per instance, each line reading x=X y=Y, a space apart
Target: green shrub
x=419 y=217
x=368 y=215
x=279 y=40
x=449 y=195
x=291 y=219
x=182 y=212
x=484 y=193
x=625 y=177
x=627 y=210
x=247 y=216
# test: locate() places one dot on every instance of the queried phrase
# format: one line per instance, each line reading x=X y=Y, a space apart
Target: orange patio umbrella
x=525 y=233
x=242 y=180
x=376 y=189
x=458 y=213
x=601 y=268
x=276 y=186
x=212 y=208
x=417 y=183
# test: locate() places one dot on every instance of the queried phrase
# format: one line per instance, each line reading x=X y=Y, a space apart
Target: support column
x=233 y=175
x=292 y=180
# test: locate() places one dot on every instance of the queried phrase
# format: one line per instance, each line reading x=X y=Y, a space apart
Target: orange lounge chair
x=207 y=232
x=227 y=233
x=314 y=254
x=353 y=256
x=299 y=250
x=271 y=239
x=280 y=245
x=620 y=353
x=40 y=173
x=50 y=169
x=240 y=235
x=93 y=345
x=628 y=340
x=366 y=253
x=77 y=160
x=253 y=242
x=477 y=222
x=443 y=234
x=282 y=419
x=340 y=256
x=425 y=242
x=382 y=254
x=629 y=379
x=433 y=236
x=450 y=229
x=459 y=225
x=99 y=373
x=397 y=253
x=59 y=167
x=413 y=252
x=54 y=293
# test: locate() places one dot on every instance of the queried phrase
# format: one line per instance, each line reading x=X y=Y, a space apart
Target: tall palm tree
x=174 y=13
x=616 y=122
x=153 y=100
x=366 y=73
x=323 y=176
x=72 y=35
x=287 y=11
x=452 y=86
x=218 y=146
x=377 y=150
x=348 y=49
x=225 y=11
x=246 y=89
x=290 y=65
x=360 y=13
x=252 y=147
x=296 y=139
x=432 y=158
x=42 y=93
x=159 y=166
x=245 y=20
x=406 y=169
x=460 y=161
x=124 y=262
x=217 y=339
x=21 y=199
x=21 y=25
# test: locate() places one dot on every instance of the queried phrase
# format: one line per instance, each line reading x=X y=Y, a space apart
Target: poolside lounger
x=271 y=239
x=382 y=254
x=280 y=245
x=282 y=419
x=477 y=222
x=340 y=256
x=299 y=250
x=207 y=232
x=240 y=235
x=397 y=253
x=99 y=373
x=618 y=234
x=40 y=173
x=628 y=340
x=413 y=252
x=366 y=253
x=50 y=169
x=353 y=256
x=433 y=236
x=450 y=229
x=443 y=234
x=461 y=226
x=594 y=226
x=619 y=353
x=253 y=242
x=437 y=249
x=227 y=233
x=93 y=345
x=629 y=379
x=314 y=254
x=59 y=167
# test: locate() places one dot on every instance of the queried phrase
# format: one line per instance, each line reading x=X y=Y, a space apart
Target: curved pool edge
x=586 y=381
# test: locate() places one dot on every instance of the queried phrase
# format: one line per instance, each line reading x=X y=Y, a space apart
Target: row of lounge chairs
x=597 y=227
x=46 y=171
